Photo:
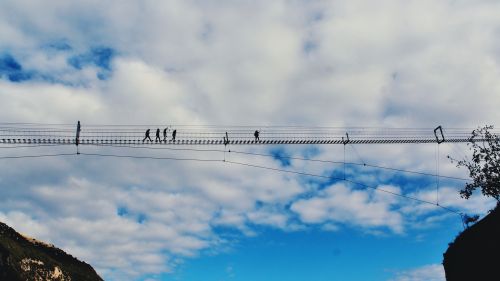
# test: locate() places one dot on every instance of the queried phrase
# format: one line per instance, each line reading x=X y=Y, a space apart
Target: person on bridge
x=147 y=136
x=174 y=133
x=157 y=139
x=165 y=134
x=256 y=135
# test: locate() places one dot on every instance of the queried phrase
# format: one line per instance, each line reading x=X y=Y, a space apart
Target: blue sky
x=411 y=64
x=318 y=255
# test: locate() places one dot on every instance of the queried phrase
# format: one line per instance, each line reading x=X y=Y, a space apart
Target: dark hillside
x=475 y=253
x=23 y=258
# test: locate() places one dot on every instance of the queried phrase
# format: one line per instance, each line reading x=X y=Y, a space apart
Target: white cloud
x=449 y=197
x=39 y=101
x=340 y=204
x=432 y=272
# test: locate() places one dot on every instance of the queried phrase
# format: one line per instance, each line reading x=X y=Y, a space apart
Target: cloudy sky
x=417 y=63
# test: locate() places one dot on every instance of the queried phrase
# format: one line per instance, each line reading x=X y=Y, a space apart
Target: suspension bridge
x=134 y=135
x=18 y=135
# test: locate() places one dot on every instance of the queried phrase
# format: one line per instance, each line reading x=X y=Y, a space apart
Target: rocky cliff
x=24 y=258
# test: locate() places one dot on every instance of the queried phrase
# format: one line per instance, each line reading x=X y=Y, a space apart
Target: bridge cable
x=350 y=163
x=347 y=180
x=238 y=163
x=36 y=156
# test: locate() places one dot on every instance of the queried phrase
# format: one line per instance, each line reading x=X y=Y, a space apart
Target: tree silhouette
x=484 y=167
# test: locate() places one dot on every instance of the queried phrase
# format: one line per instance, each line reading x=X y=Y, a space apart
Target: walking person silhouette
x=157 y=139
x=174 y=133
x=147 y=136
x=165 y=134
x=256 y=135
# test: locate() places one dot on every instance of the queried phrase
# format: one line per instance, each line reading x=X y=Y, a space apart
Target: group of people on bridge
x=158 y=139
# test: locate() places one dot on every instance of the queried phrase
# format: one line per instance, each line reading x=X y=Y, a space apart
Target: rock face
x=475 y=253
x=23 y=258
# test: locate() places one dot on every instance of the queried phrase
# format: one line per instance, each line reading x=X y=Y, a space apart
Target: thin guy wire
x=437 y=174
x=355 y=151
x=237 y=163
x=36 y=156
x=350 y=163
x=344 y=161
x=250 y=153
x=286 y=157
x=30 y=146
x=337 y=178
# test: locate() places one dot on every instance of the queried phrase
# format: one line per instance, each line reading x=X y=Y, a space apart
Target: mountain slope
x=23 y=258
x=475 y=253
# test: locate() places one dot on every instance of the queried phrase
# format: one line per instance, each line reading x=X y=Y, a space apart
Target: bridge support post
x=77 y=137
x=440 y=129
